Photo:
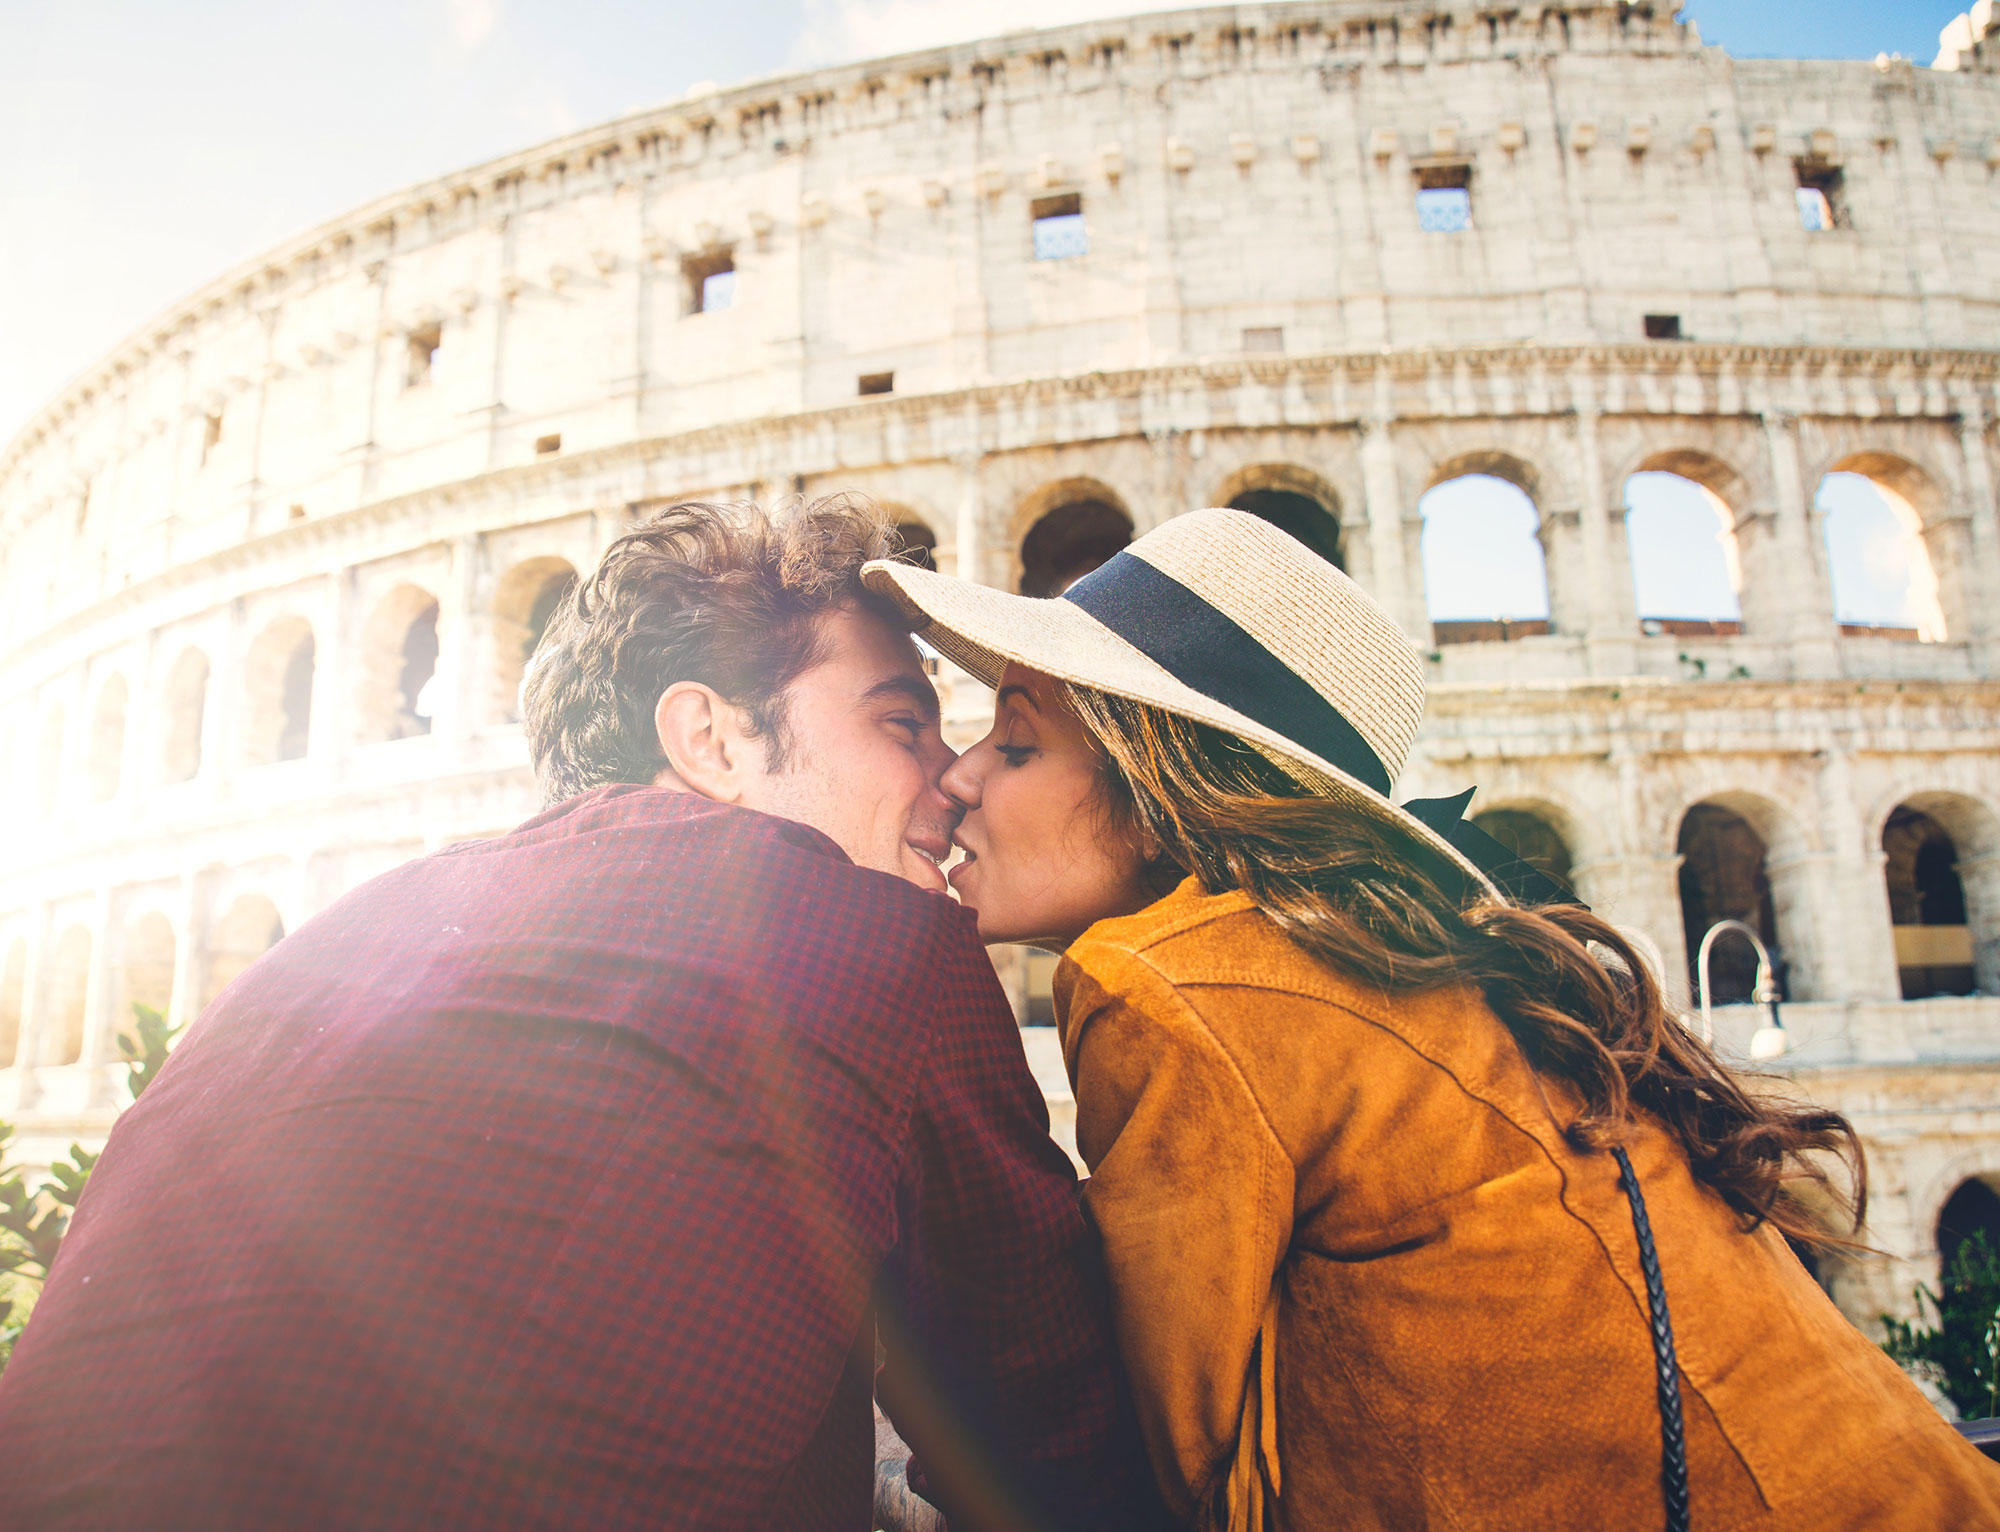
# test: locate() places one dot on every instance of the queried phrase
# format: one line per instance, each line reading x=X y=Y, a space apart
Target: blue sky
x=151 y=146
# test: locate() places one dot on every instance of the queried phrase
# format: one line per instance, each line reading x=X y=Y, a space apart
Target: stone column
x=1801 y=598
x=1399 y=595
x=1859 y=943
x=970 y=512
x=460 y=650
x=1610 y=617
x=1982 y=589
x=1567 y=567
x=185 y=1002
x=1640 y=890
x=333 y=644
x=1979 y=875
x=28 y=1047
x=99 y=989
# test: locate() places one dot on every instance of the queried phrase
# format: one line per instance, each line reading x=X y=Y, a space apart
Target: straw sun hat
x=1220 y=617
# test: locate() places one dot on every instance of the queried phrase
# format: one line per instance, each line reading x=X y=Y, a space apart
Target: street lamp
x=1768 y=1041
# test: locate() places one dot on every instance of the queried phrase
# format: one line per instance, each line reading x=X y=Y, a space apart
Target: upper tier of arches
x=551 y=303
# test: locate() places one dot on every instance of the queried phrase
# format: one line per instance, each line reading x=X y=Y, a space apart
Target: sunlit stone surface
x=272 y=569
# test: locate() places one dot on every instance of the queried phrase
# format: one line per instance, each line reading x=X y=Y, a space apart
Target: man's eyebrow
x=1007 y=693
x=912 y=688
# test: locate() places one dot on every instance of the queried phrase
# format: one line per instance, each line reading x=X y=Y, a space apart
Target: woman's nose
x=961 y=781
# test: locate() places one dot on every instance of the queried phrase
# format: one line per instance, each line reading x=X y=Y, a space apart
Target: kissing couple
x=598 y=1175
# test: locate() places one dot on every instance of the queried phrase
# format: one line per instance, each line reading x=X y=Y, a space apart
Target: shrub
x=34 y=1219
x=1961 y=1351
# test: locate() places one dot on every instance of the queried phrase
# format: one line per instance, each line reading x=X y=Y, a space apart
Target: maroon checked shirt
x=552 y=1182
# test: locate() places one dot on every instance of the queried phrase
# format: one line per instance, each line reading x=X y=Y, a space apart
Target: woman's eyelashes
x=1014 y=755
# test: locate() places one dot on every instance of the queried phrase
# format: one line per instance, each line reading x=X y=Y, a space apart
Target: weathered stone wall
x=465 y=388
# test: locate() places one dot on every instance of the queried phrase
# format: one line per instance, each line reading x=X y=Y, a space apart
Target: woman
x=1418 y=1207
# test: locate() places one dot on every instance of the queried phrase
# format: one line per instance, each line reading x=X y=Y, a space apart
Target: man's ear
x=703 y=739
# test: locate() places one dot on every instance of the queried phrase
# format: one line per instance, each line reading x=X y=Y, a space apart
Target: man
x=566 y=1179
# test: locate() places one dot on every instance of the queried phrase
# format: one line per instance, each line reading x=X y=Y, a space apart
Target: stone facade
x=271 y=569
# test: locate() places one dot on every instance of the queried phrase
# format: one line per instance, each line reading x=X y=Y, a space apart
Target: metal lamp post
x=1768 y=1041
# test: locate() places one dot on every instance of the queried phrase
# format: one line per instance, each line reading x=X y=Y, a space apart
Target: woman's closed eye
x=1014 y=755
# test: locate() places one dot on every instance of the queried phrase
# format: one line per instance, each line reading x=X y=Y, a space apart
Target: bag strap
x=1673 y=1429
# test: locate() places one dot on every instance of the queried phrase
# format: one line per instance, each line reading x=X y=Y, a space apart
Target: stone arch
x=916 y=539
x=1484 y=563
x=249 y=929
x=68 y=995
x=1682 y=512
x=1726 y=844
x=148 y=975
x=185 y=710
x=523 y=603
x=278 y=692
x=13 y=999
x=1066 y=529
x=1883 y=534
x=1488 y=463
x=396 y=664
x=1973 y=1207
x=1533 y=832
x=1941 y=871
x=1295 y=500
x=106 y=765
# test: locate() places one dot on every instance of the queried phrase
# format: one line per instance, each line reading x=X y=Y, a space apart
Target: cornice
x=802 y=439
x=761 y=113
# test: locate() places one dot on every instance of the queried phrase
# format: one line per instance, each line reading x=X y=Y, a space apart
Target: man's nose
x=960 y=783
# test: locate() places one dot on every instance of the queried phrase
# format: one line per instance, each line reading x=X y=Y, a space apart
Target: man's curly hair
x=724 y=594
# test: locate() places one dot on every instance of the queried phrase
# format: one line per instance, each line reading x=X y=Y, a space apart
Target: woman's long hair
x=1377 y=905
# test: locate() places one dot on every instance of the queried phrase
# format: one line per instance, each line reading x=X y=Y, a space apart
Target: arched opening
x=278 y=688
x=250 y=929
x=1883 y=580
x=107 y=740
x=1687 y=575
x=1974 y=1208
x=916 y=544
x=1927 y=906
x=186 y=709
x=524 y=603
x=68 y=995
x=1293 y=500
x=399 y=651
x=149 y=968
x=49 y=765
x=1723 y=877
x=1532 y=838
x=1484 y=574
x=13 y=999
x=1069 y=540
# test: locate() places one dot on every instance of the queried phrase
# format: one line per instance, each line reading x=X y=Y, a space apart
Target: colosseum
x=1585 y=347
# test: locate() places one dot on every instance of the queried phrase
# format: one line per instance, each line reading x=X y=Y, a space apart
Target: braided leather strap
x=1673 y=1431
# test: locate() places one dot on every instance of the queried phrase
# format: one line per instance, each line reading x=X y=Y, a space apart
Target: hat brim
x=983 y=630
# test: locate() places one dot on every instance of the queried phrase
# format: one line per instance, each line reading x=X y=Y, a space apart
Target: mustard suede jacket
x=1361 y=1281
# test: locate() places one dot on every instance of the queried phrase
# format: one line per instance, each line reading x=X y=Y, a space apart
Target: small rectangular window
x=1444 y=210
x=1444 y=198
x=544 y=445
x=711 y=281
x=877 y=383
x=1821 y=204
x=211 y=434
x=1663 y=327
x=1264 y=338
x=1059 y=229
x=421 y=353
